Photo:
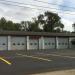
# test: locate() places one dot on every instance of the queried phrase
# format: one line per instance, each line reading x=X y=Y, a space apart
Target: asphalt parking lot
x=35 y=61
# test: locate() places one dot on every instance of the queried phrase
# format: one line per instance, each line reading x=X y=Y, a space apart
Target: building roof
x=23 y=33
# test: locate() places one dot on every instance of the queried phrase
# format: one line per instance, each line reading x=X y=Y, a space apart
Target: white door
x=49 y=43
x=62 y=43
x=18 y=43
x=3 y=43
x=33 y=44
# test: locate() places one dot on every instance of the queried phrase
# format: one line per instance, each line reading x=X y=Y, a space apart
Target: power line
x=54 y=4
x=30 y=7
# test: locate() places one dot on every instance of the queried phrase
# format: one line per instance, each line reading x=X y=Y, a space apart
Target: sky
x=23 y=10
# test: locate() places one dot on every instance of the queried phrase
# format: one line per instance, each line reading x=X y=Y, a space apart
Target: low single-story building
x=21 y=40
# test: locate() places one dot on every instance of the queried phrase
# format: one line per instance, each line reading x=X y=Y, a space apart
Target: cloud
x=18 y=14
x=68 y=24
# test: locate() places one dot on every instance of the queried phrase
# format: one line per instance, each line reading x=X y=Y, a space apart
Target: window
x=59 y=43
x=49 y=43
x=14 y=44
x=65 y=43
x=62 y=43
x=52 y=43
x=18 y=44
x=35 y=43
x=45 y=43
x=22 y=43
x=31 y=43
x=3 y=43
x=73 y=42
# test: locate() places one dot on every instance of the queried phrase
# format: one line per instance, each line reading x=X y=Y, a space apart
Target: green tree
x=50 y=21
x=2 y=23
x=25 y=25
x=17 y=26
x=73 y=25
x=34 y=26
x=59 y=25
x=8 y=25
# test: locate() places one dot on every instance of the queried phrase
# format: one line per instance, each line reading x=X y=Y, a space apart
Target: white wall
x=41 y=42
x=27 y=42
x=9 y=42
x=24 y=42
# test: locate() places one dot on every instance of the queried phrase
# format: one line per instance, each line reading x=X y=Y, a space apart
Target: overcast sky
x=10 y=11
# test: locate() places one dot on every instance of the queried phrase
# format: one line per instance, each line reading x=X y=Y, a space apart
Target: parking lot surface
x=35 y=61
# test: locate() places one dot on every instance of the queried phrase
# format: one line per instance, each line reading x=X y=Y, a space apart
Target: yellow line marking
x=6 y=61
x=34 y=57
x=58 y=55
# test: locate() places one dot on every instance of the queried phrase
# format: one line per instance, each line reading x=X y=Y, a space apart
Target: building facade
x=20 y=40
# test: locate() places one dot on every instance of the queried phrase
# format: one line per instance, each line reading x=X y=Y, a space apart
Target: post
x=68 y=42
x=9 y=42
x=42 y=40
x=27 y=42
x=57 y=45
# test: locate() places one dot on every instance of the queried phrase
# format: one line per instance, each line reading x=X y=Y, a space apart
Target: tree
x=2 y=23
x=57 y=30
x=12 y=26
x=17 y=27
x=8 y=25
x=50 y=21
x=34 y=26
x=47 y=22
x=73 y=25
x=59 y=25
x=25 y=25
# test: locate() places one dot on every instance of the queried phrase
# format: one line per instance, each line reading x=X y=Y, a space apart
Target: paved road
x=27 y=63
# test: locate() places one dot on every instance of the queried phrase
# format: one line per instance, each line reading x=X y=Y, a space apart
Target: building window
x=73 y=42
x=65 y=43
x=45 y=43
x=49 y=43
x=14 y=44
x=62 y=43
x=52 y=43
x=35 y=43
x=3 y=43
x=18 y=44
x=31 y=43
x=59 y=43
x=22 y=43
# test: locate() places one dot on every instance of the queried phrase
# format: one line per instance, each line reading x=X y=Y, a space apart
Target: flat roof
x=23 y=33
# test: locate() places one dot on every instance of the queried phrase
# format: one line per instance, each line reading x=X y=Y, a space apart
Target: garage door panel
x=18 y=43
x=33 y=44
x=3 y=43
x=49 y=43
x=62 y=43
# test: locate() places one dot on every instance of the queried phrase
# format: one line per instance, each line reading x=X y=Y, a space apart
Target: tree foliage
x=50 y=22
x=73 y=25
x=8 y=25
x=47 y=22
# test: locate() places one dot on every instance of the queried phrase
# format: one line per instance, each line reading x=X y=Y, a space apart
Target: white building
x=20 y=40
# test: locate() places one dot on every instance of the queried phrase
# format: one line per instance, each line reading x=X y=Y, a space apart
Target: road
x=31 y=62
